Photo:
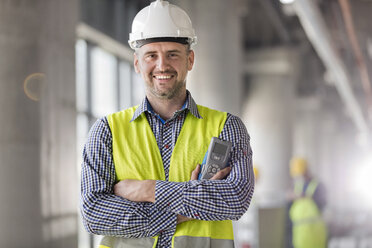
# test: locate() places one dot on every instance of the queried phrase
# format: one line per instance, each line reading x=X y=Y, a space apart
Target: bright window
x=105 y=83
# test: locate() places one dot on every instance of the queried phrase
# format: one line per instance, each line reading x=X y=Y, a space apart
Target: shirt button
x=166 y=146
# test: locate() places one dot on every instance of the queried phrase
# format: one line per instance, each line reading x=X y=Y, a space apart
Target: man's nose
x=162 y=63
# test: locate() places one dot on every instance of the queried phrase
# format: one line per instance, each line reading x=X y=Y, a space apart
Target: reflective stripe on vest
x=299 y=187
x=311 y=187
x=187 y=241
x=137 y=139
x=109 y=242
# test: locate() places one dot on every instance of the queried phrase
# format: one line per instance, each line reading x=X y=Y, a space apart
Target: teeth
x=163 y=77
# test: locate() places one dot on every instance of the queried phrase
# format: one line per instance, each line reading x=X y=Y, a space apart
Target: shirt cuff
x=169 y=196
x=160 y=221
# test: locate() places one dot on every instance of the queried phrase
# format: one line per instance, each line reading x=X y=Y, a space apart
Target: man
x=139 y=176
x=308 y=200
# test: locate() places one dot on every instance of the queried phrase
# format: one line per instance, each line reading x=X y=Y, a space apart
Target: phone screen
x=219 y=148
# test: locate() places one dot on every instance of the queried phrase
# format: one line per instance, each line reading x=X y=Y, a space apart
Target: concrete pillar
x=38 y=182
x=311 y=134
x=268 y=114
x=216 y=80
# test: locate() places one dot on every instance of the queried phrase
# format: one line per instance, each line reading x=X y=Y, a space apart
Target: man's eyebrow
x=154 y=52
x=149 y=52
x=174 y=51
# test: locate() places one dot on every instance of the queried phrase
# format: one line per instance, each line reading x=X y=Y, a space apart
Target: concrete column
x=216 y=80
x=38 y=181
x=309 y=136
x=268 y=113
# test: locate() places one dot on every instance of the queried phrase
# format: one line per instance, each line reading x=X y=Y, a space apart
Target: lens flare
x=34 y=85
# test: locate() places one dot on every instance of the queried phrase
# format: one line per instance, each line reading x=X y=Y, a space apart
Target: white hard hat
x=164 y=21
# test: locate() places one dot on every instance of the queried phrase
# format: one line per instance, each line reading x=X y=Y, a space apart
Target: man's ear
x=190 y=60
x=135 y=63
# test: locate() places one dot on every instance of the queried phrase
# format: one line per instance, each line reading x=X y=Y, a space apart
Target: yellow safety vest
x=136 y=156
x=309 y=229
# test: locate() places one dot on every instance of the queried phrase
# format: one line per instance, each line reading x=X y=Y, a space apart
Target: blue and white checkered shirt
x=107 y=214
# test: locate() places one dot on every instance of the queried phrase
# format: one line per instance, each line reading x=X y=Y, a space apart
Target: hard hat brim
x=182 y=40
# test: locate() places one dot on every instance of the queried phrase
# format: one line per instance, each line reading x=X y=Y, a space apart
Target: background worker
x=139 y=185
x=308 y=228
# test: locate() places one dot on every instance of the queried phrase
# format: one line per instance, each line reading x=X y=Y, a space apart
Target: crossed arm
x=144 y=190
x=123 y=210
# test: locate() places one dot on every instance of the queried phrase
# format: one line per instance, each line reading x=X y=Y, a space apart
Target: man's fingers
x=195 y=173
x=181 y=218
x=221 y=174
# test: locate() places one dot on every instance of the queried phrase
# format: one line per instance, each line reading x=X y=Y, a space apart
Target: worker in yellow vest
x=308 y=227
x=139 y=184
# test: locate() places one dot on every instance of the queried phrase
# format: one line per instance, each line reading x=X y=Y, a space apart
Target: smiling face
x=164 y=66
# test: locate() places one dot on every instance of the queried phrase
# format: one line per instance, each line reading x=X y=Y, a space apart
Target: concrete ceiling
x=268 y=23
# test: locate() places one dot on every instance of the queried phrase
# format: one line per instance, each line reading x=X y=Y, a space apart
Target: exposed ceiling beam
x=360 y=61
x=88 y=33
x=318 y=34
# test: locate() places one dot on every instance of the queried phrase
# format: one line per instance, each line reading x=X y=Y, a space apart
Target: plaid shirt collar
x=188 y=105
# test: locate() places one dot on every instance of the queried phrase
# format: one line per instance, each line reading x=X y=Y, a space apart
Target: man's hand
x=181 y=218
x=218 y=176
x=136 y=190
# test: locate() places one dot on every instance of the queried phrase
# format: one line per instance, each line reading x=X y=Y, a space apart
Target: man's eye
x=150 y=56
